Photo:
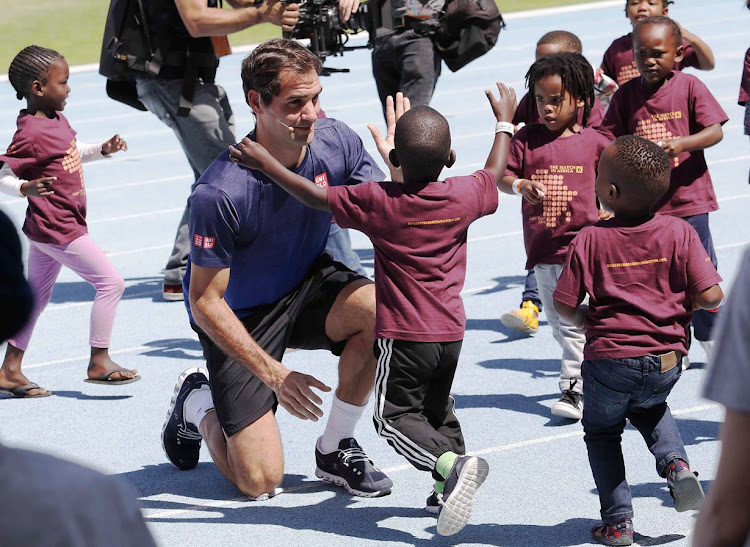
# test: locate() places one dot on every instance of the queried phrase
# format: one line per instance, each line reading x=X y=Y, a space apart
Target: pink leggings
x=87 y=260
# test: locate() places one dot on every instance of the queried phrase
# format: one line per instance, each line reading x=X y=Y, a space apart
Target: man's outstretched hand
x=294 y=393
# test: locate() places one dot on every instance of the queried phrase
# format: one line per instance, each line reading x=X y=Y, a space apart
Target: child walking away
x=526 y=318
x=633 y=348
x=43 y=163
x=418 y=229
x=553 y=165
x=744 y=98
x=619 y=63
x=678 y=112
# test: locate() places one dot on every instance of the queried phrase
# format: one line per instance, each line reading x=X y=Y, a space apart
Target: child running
x=633 y=348
x=618 y=62
x=526 y=318
x=418 y=229
x=678 y=112
x=744 y=98
x=43 y=163
x=553 y=165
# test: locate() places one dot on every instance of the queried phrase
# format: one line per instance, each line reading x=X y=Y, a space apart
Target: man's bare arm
x=201 y=20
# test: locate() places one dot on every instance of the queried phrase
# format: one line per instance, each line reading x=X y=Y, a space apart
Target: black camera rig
x=319 y=23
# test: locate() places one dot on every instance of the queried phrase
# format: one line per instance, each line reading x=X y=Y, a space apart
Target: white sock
x=197 y=404
x=342 y=420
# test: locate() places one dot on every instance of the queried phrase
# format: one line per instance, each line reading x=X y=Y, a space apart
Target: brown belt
x=670 y=360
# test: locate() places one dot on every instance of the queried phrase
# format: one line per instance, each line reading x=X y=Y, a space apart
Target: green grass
x=74 y=27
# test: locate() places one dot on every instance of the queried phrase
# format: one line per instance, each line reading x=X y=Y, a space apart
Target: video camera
x=320 y=24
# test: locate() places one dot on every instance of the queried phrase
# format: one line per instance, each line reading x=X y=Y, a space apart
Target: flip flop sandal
x=107 y=379
x=22 y=392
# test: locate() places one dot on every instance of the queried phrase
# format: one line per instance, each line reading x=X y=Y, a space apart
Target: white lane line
x=85 y=357
x=137 y=215
x=242 y=500
x=731 y=245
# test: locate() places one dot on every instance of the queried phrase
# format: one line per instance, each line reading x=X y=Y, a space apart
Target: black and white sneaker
x=351 y=468
x=467 y=475
x=182 y=440
x=432 y=504
x=570 y=404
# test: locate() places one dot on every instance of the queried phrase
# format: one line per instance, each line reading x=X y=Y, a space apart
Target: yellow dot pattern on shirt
x=655 y=132
x=627 y=73
x=556 y=202
x=72 y=160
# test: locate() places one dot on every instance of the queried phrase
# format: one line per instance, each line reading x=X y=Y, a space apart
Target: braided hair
x=574 y=71
x=31 y=63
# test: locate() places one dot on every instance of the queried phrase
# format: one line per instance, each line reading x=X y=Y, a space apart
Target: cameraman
x=204 y=124
x=405 y=59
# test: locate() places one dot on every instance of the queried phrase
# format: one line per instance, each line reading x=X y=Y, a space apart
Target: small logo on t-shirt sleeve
x=208 y=242
x=198 y=240
x=321 y=180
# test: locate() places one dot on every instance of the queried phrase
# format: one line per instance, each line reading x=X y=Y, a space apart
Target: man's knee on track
x=255 y=483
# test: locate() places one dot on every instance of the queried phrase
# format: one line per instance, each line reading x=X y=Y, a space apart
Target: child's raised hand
x=38 y=187
x=115 y=144
x=250 y=154
x=393 y=111
x=503 y=108
x=533 y=191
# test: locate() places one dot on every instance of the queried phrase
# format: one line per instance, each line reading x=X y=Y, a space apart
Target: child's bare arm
x=710 y=299
x=702 y=50
x=115 y=144
x=570 y=314
x=705 y=138
x=503 y=108
x=254 y=156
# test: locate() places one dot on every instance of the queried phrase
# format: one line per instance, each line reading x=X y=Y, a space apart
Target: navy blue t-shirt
x=240 y=219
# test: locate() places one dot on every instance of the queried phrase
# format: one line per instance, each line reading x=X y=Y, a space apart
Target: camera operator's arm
x=384 y=146
x=200 y=20
x=346 y=8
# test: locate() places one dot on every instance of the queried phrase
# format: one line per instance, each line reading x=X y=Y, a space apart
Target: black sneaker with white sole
x=467 y=475
x=570 y=405
x=181 y=439
x=350 y=467
x=432 y=504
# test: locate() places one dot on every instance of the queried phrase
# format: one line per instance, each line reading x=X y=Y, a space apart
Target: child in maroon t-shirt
x=744 y=98
x=43 y=163
x=678 y=112
x=633 y=348
x=525 y=319
x=553 y=164
x=619 y=63
x=418 y=227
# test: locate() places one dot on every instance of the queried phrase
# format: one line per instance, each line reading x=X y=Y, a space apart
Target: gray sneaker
x=467 y=475
x=570 y=405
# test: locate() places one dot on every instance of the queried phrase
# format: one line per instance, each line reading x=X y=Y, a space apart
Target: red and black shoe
x=613 y=534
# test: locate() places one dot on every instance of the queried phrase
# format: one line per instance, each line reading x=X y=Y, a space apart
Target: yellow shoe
x=525 y=320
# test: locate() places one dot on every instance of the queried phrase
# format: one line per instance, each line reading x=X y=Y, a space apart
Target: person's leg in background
x=204 y=134
x=339 y=246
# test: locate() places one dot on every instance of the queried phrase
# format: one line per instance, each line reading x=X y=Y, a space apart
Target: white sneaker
x=685 y=362
x=708 y=347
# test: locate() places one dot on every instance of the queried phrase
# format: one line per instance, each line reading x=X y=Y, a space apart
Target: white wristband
x=504 y=127
x=516 y=184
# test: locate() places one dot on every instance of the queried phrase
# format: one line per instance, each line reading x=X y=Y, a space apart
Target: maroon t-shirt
x=567 y=167
x=418 y=233
x=619 y=62
x=43 y=147
x=682 y=106
x=527 y=113
x=745 y=83
x=640 y=281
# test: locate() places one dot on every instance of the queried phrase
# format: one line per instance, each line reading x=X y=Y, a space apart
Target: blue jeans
x=634 y=388
x=531 y=290
x=405 y=61
x=339 y=246
x=703 y=320
x=204 y=134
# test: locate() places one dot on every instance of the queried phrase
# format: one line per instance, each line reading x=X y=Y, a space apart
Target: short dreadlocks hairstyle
x=574 y=71
x=31 y=63
x=422 y=139
x=643 y=166
x=568 y=40
x=664 y=21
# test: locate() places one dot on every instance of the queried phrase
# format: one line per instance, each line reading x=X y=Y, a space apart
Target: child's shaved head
x=663 y=21
x=422 y=141
x=566 y=40
x=642 y=169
